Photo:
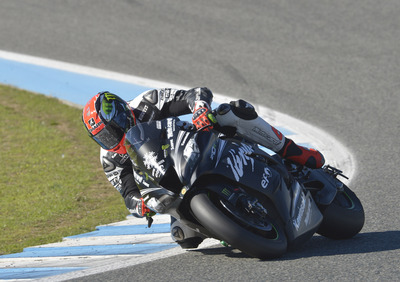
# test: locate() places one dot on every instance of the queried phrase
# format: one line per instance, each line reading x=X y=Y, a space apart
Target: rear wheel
x=256 y=231
x=344 y=217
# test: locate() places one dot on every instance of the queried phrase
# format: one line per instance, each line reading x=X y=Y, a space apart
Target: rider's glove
x=203 y=118
x=142 y=210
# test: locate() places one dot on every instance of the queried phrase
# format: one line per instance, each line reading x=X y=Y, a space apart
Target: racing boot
x=301 y=155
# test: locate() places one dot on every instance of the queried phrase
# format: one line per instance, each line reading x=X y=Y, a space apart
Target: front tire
x=226 y=229
x=344 y=217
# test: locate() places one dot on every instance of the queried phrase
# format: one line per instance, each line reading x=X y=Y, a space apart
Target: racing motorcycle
x=232 y=190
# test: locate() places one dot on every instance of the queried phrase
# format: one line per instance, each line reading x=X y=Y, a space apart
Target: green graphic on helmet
x=107 y=107
x=107 y=103
x=110 y=96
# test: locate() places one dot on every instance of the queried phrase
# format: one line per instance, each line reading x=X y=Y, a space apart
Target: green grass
x=51 y=181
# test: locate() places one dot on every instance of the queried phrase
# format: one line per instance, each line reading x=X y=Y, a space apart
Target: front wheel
x=263 y=240
x=344 y=217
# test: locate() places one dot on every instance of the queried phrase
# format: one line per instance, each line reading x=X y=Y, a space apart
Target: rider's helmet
x=107 y=118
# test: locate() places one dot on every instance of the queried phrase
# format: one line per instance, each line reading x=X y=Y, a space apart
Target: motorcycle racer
x=107 y=118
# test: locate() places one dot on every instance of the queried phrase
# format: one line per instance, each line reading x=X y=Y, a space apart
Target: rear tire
x=344 y=217
x=226 y=229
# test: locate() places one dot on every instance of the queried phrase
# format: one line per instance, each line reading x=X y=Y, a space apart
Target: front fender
x=327 y=185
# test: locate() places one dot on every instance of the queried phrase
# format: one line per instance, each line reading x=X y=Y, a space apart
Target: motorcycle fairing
x=156 y=147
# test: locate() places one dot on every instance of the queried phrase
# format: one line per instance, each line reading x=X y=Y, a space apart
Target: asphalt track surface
x=335 y=65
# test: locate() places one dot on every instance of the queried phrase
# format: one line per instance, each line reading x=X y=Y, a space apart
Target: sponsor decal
x=94 y=125
x=226 y=192
x=239 y=159
x=170 y=128
x=263 y=134
x=213 y=151
x=301 y=209
x=265 y=177
x=150 y=162
x=107 y=105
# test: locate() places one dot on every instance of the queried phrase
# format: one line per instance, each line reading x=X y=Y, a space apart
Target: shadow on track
x=320 y=246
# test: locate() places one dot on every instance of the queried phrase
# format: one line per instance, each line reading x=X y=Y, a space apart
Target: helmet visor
x=110 y=136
